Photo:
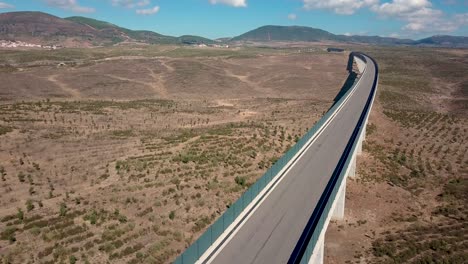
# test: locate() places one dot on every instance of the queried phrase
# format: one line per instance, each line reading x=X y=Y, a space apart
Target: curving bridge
x=283 y=217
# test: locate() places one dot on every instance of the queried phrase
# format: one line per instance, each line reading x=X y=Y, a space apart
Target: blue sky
x=226 y=18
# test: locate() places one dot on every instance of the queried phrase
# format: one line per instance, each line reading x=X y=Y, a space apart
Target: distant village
x=21 y=44
x=202 y=45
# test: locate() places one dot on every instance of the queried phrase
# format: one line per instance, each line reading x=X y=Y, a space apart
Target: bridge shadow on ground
x=352 y=77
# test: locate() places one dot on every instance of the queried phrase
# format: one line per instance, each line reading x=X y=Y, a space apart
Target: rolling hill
x=282 y=33
x=76 y=31
x=119 y=34
x=445 y=41
x=42 y=28
x=309 y=34
x=37 y=27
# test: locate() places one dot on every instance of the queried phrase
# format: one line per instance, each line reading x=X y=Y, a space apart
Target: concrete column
x=338 y=213
x=364 y=131
x=317 y=255
x=352 y=168
x=359 y=146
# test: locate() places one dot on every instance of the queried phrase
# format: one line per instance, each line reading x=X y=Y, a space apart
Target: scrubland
x=126 y=155
x=409 y=202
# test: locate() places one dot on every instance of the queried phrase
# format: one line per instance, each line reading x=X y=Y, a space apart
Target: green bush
x=9 y=234
x=172 y=215
x=242 y=181
x=20 y=214
x=21 y=177
x=29 y=205
x=63 y=209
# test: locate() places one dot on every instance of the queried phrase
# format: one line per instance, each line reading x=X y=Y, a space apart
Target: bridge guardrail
x=303 y=251
x=199 y=247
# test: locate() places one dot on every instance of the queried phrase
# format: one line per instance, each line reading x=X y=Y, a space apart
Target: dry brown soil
x=409 y=201
x=128 y=158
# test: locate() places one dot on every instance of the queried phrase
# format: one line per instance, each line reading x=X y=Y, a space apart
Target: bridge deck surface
x=272 y=231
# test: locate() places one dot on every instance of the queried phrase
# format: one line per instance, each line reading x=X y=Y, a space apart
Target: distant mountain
x=444 y=41
x=189 y=39
x=309 y=34
x=119 y=34
x=223 y=39
x=96 y=24
x=42 y=28
x=39 y=27
x=377 y=40
x=283 y=33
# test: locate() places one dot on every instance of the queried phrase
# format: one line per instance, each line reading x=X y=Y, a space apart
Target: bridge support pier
x=352 y=168
x=363 y=137
x=317 y=256
x=338 y=212
x=359 y=145
x=337 y=209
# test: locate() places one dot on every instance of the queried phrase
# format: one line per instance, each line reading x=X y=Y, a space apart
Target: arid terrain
x=409 y=201
x=126 y=154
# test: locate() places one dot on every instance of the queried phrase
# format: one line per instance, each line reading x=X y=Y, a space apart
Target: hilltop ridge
x=77 y=31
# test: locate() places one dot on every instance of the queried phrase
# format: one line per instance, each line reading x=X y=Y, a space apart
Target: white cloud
x=235 y=3
x=5 y=5
x=148 y=11
x=292 y=16
x=71 y=5
x=461 y=18
x=342 y=7
x=401 y=7
x=420 y=16
x=130 y=3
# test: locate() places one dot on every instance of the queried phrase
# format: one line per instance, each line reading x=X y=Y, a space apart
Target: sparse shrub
x=201 y=224
x=63 y=209
x=21 y=176
x=36 y=166
x=122 y=219
x=3 y=173
x=20 y=214
x=240 y=181
x=29 y=205
x=172 y=215
x=9 y=234
x=5 y=129
x=30 y=179
x=35 y=231
x=92 y=217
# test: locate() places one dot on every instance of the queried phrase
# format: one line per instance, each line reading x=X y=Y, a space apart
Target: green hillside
x=50 y=29
x=309 y=34
x=190 y=39
x=119 y=33
x=443 y=40
x=283 y=33
x=97 y=24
